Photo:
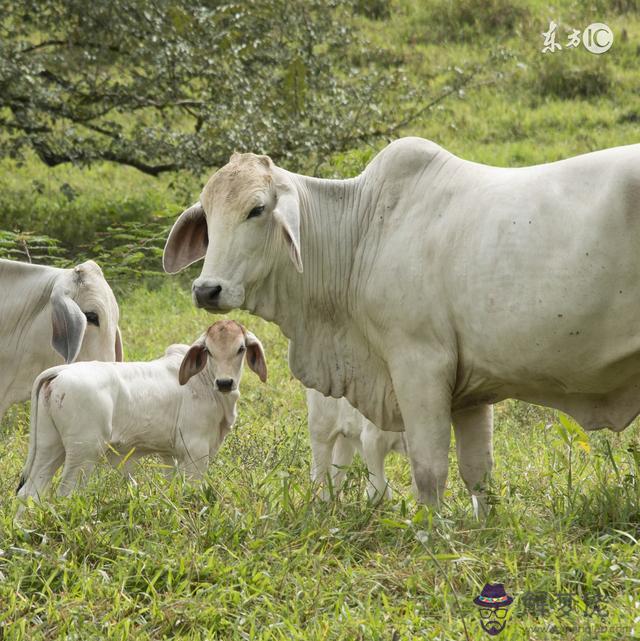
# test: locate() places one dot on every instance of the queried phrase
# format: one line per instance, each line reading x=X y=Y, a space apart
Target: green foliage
x=250 y=553
x=30 y=247
x=561 y=77
x=172 y=84
x=76 y=222
x=127 y=252
x=445 y=21
x=373 y=9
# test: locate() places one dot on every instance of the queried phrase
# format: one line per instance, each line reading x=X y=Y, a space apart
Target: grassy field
x=251 y=554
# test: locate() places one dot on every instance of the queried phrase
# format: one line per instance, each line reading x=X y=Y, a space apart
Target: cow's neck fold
x=332 y=222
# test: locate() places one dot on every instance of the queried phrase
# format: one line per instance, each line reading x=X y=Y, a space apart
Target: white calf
x=337 y=430
x=180 y=406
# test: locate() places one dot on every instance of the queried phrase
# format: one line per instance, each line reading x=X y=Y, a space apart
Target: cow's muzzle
x=207 y=296
x=225 y=385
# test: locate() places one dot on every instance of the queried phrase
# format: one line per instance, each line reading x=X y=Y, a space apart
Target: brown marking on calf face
x=225 y=331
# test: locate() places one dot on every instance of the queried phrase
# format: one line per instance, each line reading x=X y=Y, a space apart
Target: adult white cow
x=434 y=286
x=50 y=316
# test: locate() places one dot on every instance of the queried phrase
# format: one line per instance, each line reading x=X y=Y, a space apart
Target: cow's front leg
x=474 y=444
x=423 y=382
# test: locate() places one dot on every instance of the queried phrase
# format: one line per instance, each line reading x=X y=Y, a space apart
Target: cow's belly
x=614 y=409
x=595 y=378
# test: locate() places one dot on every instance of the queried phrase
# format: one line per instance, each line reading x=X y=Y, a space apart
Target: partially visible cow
x=180 y=406
x=50 y=316
x=434 y=287
x=337 y=431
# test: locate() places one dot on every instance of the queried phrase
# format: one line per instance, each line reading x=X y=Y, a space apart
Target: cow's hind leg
x=47 y=458
x=76 y=471
x=474 y=444
x=81 y=457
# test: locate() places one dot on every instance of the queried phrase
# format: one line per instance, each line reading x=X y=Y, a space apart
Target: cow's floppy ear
x=187 y=241
x=119 y=352
x=287 y=213
x=193 y=362
x=255 y=356
x=68 y=324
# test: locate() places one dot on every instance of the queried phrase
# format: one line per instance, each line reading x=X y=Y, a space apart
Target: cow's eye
x=256 y=211
x=242 y=349
x=92 y=318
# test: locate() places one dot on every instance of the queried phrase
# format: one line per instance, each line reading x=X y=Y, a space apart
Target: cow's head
x=84 y=316
x=247 y=219
x=222 y=350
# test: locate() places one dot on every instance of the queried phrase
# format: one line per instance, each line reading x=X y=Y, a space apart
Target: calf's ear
x=119 y=352
x=68 y=324
x=187 y=241
x=255 y=356
x=193 y=362
x=287 y=214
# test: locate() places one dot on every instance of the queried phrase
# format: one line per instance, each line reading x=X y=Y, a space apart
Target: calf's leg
x=374 y=451
x=322 y=445
x=44 y=461
x=193 y=459
x=343 y=451
x=78 y=466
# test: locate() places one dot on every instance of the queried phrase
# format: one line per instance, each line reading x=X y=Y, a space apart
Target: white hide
x=43 y=322
x=433 y=287
x=84 y=411
x=337 y=431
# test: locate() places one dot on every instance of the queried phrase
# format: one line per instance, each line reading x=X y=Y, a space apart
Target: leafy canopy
x=162 y=85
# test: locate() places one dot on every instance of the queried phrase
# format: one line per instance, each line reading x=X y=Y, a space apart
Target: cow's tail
x=45 y=377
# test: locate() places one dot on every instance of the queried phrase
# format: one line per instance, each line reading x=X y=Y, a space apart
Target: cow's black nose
x=224 y=384
x=207 y=296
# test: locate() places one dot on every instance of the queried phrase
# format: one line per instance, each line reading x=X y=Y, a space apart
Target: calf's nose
x=207 y=296
x=224 y=384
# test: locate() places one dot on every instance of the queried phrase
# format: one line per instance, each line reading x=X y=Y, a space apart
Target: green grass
x=250 y=553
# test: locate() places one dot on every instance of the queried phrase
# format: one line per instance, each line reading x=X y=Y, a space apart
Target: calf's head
x=247 y=220
x=222 y=349
x=84 y=316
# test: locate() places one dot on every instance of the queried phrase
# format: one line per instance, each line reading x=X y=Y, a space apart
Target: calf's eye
x=242 y=349
x=92 y=318
x=256 y=211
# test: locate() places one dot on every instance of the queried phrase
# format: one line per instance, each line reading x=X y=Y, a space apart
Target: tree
x=162 y=85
